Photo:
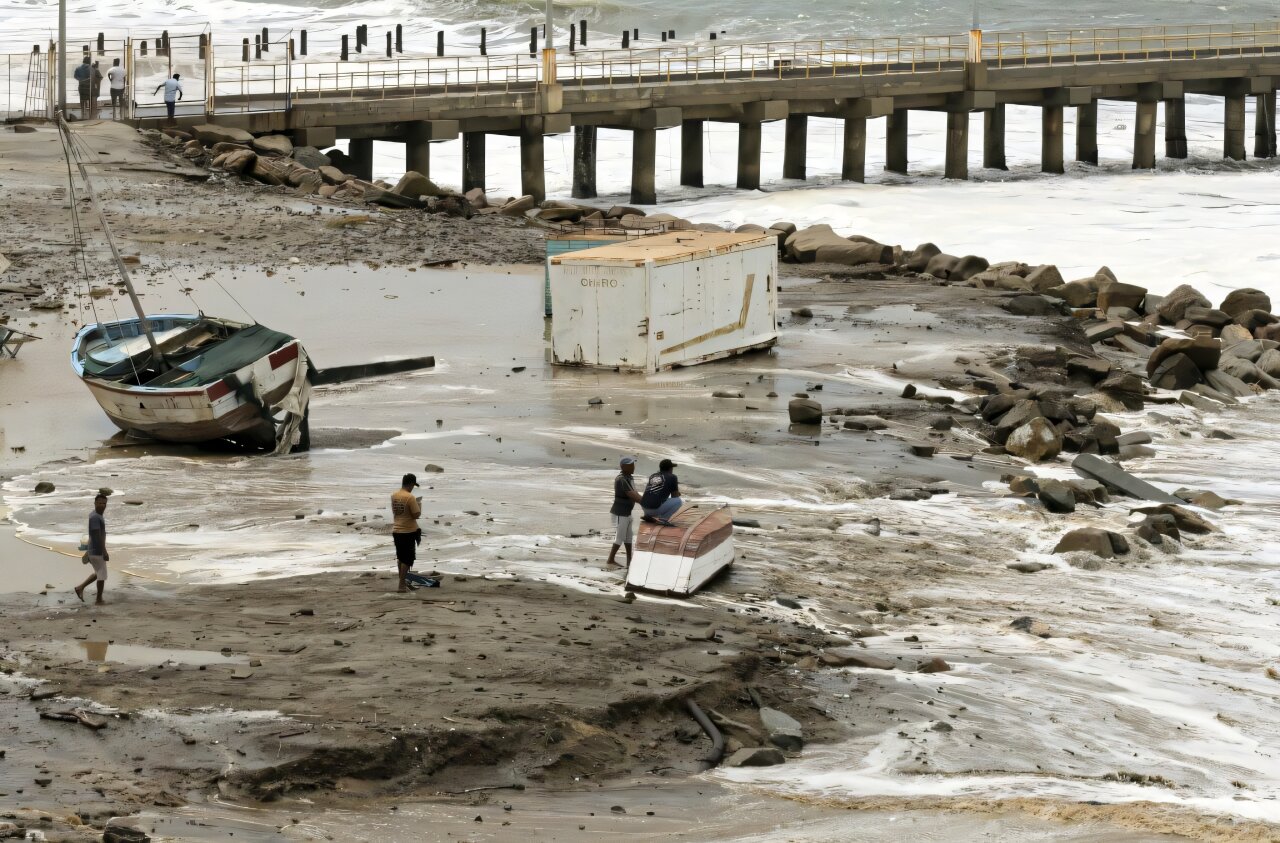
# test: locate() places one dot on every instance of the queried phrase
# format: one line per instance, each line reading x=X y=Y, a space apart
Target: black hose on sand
x=717 y=739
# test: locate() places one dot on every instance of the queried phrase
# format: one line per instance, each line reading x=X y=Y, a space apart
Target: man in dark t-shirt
x=661 y=498
x=625 y=497
x=96 y=553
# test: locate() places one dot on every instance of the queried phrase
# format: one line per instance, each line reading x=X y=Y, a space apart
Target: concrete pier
x=533 y=179
x=1175 y=128
x=1264 y=126
x=796 y=149
x=749 y=155
x=853 y=165
x=1233 y=127
x=584 y=162
x=993 y=139
x=691 y=154
x=1087 y=133
x=644 y=162
x=1144 y=135
x=895 y=142
x=360 y=151
x=473 y=160
x=957 y=160
x=1051 y=140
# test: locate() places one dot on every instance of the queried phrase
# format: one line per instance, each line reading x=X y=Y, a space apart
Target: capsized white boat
x=198 y=379
x=680 y=558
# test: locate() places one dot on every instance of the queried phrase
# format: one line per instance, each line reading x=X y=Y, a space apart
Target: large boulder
x=332 y=175
x=1081 y=293
x=1252 y=320
x=310 y=157
x=1086 y=540
x=1056 y=496
x=271 y=169
x=210 y=133
x=273 y=145
x=1178 y=372
x=414 y=184
x=1173 y=307
x=1203 y=351
x=1245 y=299
x=516 y=206
x=1269 y=362
x=803 y=245
x=1037 y=440
x=920 y=257
x=1115 y=294
x=941 y=265
x=1212 y=317
x=239 y=161
x=1234 y=334
x=1044 y=277
x=853 y=254
x=967 y=267
x=784 y=731
x=805 y=411
x=756 y=756
x=1019 y=414
x=1227 y=383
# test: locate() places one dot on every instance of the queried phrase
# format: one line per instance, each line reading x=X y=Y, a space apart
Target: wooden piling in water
x=303 y=42
x=344 y=47
x=292 y=54
x=626 y=39
x=389 y=43
x=533 y=41
x=257 y=46
x=204 y=46
x=399 y=38
x=664 y=36
x=440 y=43
x=102 y=44
x=671 y=34
x=266 y=40
x=582 y=32
x=244 y=49
x=573 y=38
x=143 y=44
x=484 y=47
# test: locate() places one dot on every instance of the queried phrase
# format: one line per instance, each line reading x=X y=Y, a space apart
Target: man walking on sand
x=172 y=93
x=97 y=555
x=405 y=533
x=115 y=85
x=625 y=497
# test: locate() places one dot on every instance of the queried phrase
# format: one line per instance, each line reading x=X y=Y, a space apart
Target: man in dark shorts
x=84 y=84
x=625 y=497
x=661 y=498
x=405 y=533
x=115 y=81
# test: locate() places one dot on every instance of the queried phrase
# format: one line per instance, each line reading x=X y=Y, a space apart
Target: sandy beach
x=256 y=674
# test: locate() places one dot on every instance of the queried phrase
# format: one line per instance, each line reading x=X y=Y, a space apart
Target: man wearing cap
x=661 y=498
x=405 y=512
x=625 y=497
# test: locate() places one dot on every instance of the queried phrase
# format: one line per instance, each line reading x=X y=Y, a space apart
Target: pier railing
x=217 y=79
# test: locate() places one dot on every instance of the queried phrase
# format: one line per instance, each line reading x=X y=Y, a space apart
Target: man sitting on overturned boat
x=661 y=498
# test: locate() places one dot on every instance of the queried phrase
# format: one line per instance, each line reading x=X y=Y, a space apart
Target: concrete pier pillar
x=584 y=162
x=472 y=160
x=417 y=148
x=533 y=177
x=1144 y=136
x=749 y=155
x=1087 y=133
x=691 y=153
x=957 y=162
x=1051 y=139
x=1175 y=128
x=895 y=141
x=1233 y=127
x=993 y=138
x=644 y=161
x=854 y=166
x=1264 y=126
x=793 y=160
x=360 y=151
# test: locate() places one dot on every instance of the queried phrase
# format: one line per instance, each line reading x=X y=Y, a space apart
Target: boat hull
x=680 y=558
x=251 y=406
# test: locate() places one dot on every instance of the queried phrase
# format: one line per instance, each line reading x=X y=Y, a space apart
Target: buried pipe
x=717 y=739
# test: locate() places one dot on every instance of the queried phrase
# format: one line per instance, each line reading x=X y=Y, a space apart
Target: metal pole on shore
x=62 y=56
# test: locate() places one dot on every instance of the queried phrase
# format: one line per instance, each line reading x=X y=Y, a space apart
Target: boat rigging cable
x=157 y=356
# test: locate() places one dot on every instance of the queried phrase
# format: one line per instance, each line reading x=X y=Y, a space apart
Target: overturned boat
x=197 y=378
x=683 y=555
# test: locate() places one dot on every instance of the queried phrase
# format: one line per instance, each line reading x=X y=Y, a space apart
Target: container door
x=616 y=303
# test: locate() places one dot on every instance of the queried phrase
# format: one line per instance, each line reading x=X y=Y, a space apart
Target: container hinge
x=644 y=327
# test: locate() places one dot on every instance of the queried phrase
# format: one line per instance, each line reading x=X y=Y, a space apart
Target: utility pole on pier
x=62 y=56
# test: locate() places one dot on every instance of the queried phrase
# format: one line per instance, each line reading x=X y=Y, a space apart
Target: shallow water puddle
x=109 y=652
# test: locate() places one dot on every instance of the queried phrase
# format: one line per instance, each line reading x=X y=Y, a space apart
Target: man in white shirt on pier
x=115 y=78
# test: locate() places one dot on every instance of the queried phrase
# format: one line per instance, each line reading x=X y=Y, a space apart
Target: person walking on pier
x=96 y=555
x=172 y=94
x=625 y=497
x=406 y=509
x=84 y=85
x=115 y=83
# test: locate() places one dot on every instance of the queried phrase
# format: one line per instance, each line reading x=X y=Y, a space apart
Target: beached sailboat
x=683 y=555
x=190 y=378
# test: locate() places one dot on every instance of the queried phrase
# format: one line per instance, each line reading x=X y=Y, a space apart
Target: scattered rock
x=273 y=145
x=784 y=731
x=1037 y=440
x=804 y=411
x=854 y=658
x=1028 y=567
x=1087 y=540
x=1245 y=299
x=209 y=134
x=1186 y=520
x=756 y=756
x=934 y=665
x=1114 y=477
x=1173 y=307
x=432 y=468
x=1031 y=626
x=44 y=487
x=1056 y=496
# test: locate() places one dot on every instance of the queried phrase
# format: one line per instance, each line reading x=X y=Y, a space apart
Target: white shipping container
x=672 y=299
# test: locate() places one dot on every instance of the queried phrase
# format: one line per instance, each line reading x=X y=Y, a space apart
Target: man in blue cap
x=625 y=497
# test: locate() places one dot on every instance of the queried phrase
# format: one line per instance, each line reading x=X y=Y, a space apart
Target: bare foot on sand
x=99 y=602
x=402 y=590
x=79 y=593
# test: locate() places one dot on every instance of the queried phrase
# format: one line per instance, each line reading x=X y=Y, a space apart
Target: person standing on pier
x=96 y=555
x=406 y=509
x=625 y=497
x=84 y=80
x=172 y=94
x=115 y=83
x=97 y=89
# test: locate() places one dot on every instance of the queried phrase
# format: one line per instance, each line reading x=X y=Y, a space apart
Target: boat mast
x=111 y=240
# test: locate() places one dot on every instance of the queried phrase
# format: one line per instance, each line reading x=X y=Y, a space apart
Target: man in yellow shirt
x=405 y=512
